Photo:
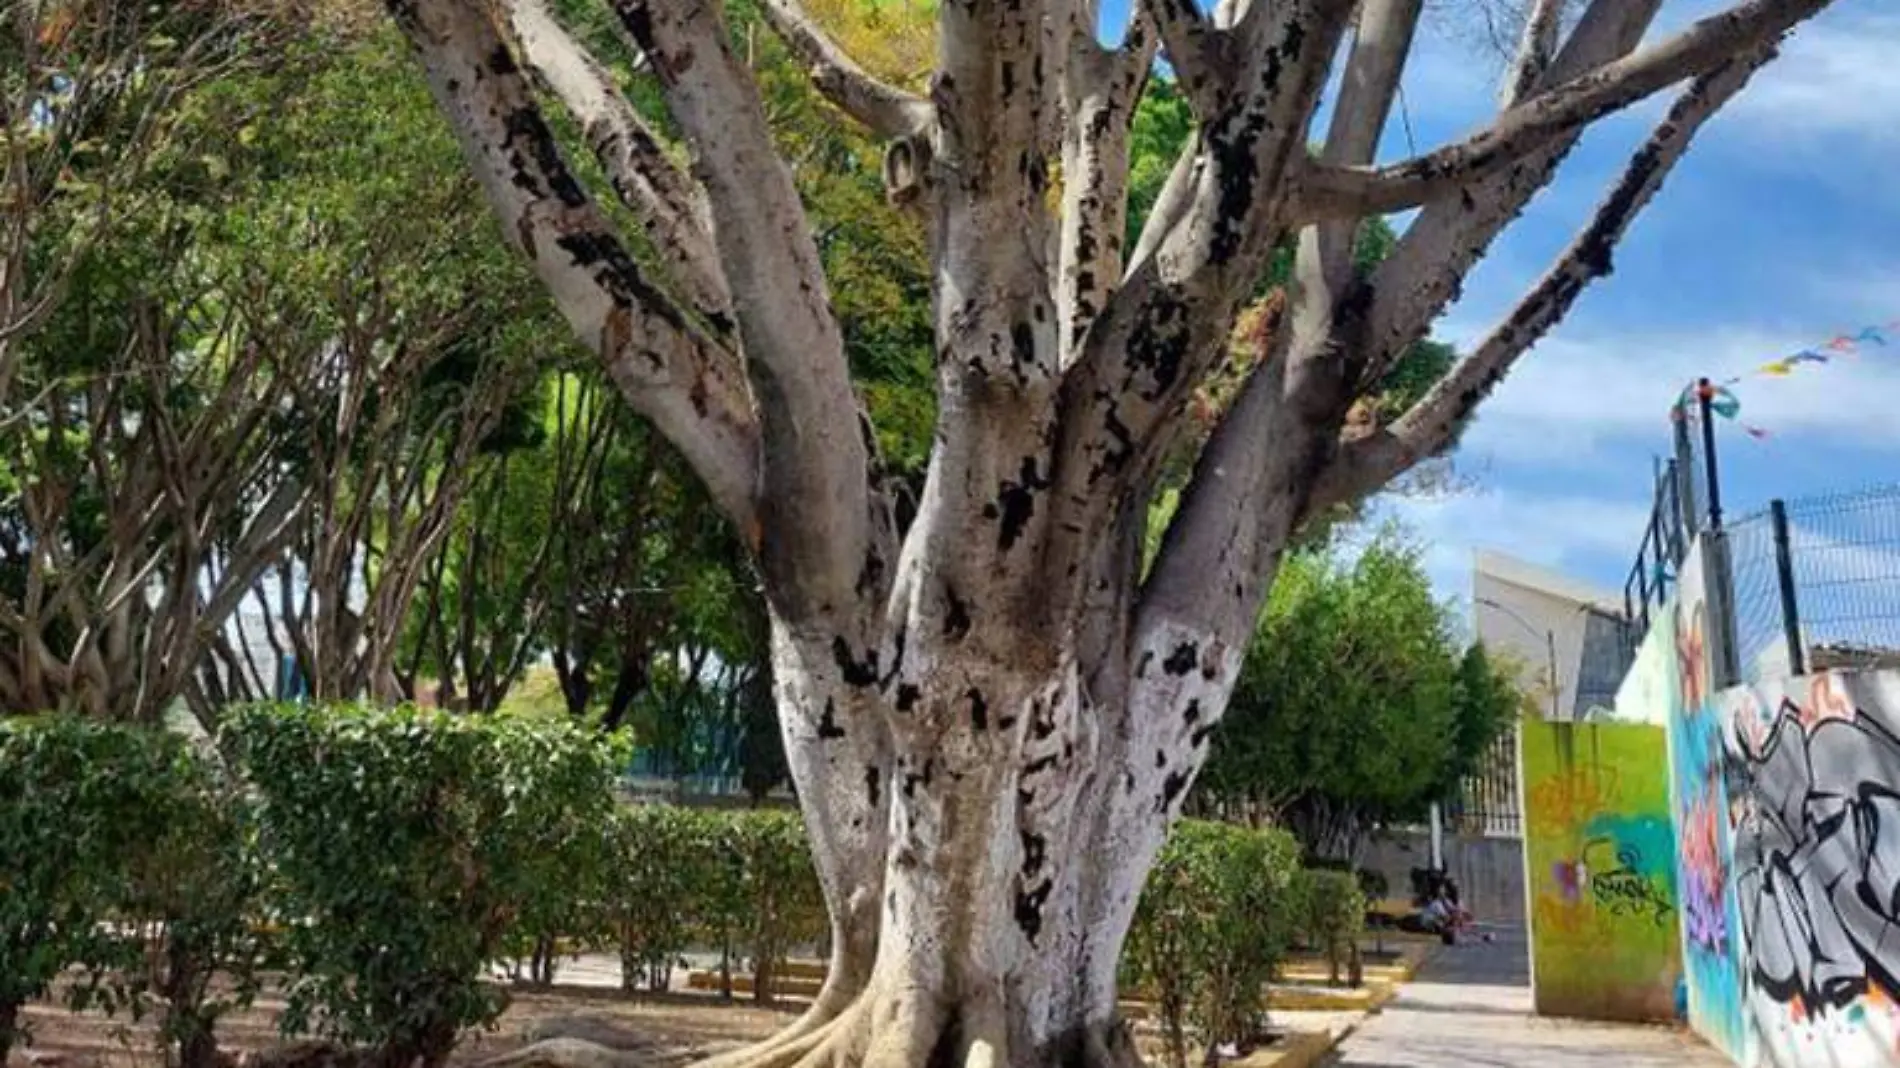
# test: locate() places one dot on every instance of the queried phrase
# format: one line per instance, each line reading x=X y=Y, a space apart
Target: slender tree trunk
x=9 y=1027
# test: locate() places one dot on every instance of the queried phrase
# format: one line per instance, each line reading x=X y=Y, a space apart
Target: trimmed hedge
x=740 y=882
x=1211 y=929
x=406 y=848
x=398 y=855
x=1331 y=918
x=77 y=801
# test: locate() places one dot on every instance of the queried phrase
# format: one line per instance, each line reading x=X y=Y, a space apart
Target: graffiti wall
x=1698 y=798
x=1813 y=779
x=1602 y=871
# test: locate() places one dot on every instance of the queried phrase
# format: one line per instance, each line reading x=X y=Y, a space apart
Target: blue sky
x=1779 y=230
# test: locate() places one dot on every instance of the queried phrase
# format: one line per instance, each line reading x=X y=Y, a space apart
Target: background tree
x=1355 y=707
x=991 y=713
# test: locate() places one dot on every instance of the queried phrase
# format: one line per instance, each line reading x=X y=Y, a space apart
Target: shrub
x=76 y=799
x=780 y=901
x=406 y=848
x=740 y=881
x=195 y=893
x=1332 y=917
x=1211 y=928
x=655 y=876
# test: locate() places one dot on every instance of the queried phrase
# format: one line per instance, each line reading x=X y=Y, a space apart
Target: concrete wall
x=1601 y=863
x=1489 y=870
x=1811 y=769
x=1786 y=803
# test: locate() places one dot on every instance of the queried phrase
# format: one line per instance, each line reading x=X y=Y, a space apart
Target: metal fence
x=1665 y=543
x=1487 y=800
x=1815 y=583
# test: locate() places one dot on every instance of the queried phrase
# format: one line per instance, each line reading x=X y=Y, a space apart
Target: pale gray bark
x=993 y=722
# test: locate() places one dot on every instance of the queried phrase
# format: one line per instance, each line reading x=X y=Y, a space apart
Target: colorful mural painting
x=1698 y=797
x=1813 y=774
x=1602 y=871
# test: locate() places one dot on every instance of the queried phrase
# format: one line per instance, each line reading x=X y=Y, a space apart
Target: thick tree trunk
x=984 y=864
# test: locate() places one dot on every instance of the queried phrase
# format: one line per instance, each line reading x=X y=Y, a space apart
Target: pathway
x=1470 y=1006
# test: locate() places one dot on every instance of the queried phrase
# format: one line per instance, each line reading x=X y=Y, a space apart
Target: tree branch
x=821 y=525
x=693 y=390
x=1535 y=51
x=1364 y=465
x=1425 y=269
x=1102 y=90
x=1355 y=192
x=887 y=110
x=660 y=196
x=1196 y=49
x=1323 y=266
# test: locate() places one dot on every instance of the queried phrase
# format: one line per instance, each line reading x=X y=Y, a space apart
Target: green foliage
x=1348 y=710
x=739 y=881
x=197 y=885
x=408 y=845
x=1332 y=914
x=1212 y=926
x=779 y=901
x=662 y=864
x=77 y=800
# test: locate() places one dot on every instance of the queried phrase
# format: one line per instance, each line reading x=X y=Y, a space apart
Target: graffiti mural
x=1602 y=868
x=1813 y=774
x=1712 y=946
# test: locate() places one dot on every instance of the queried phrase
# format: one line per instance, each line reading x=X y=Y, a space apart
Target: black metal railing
x=1815 y=583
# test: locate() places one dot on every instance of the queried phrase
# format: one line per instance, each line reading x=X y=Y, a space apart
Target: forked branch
x=661 y=197
x=1364 y=465
x=1353 y=192
x=821 y=528
x=672 y=371
x=885 y=109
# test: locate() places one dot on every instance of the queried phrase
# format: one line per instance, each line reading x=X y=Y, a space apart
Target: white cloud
x=1556 y=531
x=1576 y=394
x=1836 y=75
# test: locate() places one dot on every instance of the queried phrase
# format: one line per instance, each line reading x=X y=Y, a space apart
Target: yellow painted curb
x=1329 y=999
x=1300 y=1049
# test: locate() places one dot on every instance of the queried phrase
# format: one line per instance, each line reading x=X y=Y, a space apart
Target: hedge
x=740 y=882
x=1212 y=927
x=406 y=848
x=399 y=854
x=1331 y=917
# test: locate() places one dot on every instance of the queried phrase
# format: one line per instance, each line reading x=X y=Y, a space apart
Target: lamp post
x=1550 y=650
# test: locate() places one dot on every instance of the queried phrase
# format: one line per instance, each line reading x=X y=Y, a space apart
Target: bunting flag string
x=1724 y=403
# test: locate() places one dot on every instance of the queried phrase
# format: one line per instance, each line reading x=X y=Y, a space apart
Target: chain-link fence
x=1816 y=583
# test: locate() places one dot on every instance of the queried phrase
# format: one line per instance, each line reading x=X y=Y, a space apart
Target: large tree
x=993 y=713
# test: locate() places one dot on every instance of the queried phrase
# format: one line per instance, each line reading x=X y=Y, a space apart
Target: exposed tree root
x=891 y=1034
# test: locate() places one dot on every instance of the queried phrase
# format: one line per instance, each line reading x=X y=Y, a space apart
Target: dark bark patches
x=1184 y=658
x=1015 y=504
x=828 y=728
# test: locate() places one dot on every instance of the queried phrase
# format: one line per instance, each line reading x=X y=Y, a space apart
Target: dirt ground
x=62 y=1039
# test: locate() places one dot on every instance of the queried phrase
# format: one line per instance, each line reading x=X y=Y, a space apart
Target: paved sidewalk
x=1470 y=1006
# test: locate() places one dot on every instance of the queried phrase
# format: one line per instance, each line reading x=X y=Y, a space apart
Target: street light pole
x=1550 y=653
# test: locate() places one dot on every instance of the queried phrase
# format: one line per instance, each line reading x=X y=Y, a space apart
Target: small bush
x=195 y=895
x=1212 y=926
x=780 y=903
x=655 y=875
x=77 y=799
x=1332 y=917
x=408 y=846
